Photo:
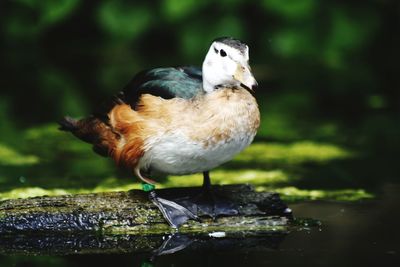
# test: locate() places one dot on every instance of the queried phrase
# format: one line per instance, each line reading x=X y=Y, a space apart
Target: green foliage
x=7 y=126
x=176 y=9
x=296 y=153
x=56 y=83
x=226 y=176
x=8 y=156
x=291 y=9
x=195 y=37
x=348 y=34
x=123 y=20
x=52 y=11
x=295 y=194
x=47 y=13
x=292 y=42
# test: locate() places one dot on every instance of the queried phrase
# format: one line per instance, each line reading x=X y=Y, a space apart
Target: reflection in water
x=153 y=245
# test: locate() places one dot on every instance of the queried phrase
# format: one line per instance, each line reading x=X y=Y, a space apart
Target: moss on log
x=132 y=213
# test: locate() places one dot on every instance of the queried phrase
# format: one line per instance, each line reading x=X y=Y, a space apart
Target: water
x=351 y=234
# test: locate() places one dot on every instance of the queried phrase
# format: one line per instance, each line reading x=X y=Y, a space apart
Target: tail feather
x=94 y=131
x=68 y=124
x=116 y=134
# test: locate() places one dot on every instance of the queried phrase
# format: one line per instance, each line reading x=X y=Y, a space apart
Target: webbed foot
x=174 y=213
x=209 y=203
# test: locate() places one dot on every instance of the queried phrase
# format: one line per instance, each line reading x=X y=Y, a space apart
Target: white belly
x=176 y=154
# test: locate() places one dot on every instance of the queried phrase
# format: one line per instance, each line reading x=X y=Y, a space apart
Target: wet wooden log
x=132 y=213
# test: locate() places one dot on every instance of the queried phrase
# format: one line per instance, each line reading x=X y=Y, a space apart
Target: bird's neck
x=207 y=86
x=212 y=80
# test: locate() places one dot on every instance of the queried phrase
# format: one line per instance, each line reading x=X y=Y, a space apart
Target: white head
x=227 y=64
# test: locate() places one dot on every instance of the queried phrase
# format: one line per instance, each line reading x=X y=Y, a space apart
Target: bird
x=178 y=121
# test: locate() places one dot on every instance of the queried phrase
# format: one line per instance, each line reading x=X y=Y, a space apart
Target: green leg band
x=148 y=187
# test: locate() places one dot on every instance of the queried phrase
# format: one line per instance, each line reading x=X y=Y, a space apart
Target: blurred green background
x=329 y=89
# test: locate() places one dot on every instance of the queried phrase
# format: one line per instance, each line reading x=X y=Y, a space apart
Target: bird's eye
x=216 y=50
x=222 y=53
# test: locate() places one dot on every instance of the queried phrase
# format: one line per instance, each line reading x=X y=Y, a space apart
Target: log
x=128 y=221
x=132 y=213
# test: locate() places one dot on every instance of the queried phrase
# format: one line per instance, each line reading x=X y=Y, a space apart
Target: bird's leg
x=173 y=213
x=141 y=177
x=206 y=181
x=207 y=199
x=221 y=205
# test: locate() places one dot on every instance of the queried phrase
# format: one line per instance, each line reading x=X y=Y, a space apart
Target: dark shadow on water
x=152 y=246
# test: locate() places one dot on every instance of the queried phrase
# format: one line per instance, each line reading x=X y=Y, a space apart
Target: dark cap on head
x=232 y=42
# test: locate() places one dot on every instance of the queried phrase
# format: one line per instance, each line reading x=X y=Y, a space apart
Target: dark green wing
x=182 y=82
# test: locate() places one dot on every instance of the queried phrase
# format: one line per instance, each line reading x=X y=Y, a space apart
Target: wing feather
x=167 y=83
